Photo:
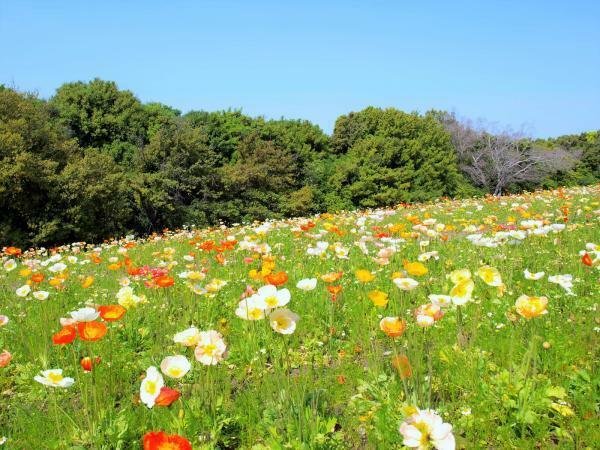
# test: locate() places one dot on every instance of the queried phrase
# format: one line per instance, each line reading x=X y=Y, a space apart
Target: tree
x=391 y=157
x=495 y=161
x=101 y=116
x=33 y=150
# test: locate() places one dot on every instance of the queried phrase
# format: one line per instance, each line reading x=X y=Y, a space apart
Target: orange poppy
x=334 y=290
x=331 y=277
x=159 y=440
x=37 y=277
x=164 y=281
x=13 y=251
x=402 y=365
x=587 y=260
x=110 y=313
x=392 y=326
x=114 y=266
x=277 y=279
x=65 y=336
x=91 y=331
x=166 y=396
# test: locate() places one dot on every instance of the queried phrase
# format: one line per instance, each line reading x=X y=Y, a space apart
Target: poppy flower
x=415 y=268
x=392 y=326
x=587 y=259
x=378 y=298
x=65 y=336
x=37 y=277
x=91 y=331
x=5 y=358
x=88 y=363
x=276 y=279
x=402 y=365
x=334 y=290
x=166 y=396
x=159 y=440
x=13 y=251
x=110 y=313
x=530 y=307
x=164 y=281
x=364 y=276
x=87 y=282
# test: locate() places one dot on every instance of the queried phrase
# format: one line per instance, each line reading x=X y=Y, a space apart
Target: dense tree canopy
x=93 y=162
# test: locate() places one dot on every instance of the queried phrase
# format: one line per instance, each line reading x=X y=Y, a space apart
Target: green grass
x=526 y=383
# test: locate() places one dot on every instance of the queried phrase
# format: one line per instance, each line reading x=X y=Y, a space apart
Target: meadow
x=449 y=324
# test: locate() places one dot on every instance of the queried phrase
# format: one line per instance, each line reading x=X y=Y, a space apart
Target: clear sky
x=532 y=64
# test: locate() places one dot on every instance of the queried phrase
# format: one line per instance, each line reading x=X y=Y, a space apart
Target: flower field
x=452 y=324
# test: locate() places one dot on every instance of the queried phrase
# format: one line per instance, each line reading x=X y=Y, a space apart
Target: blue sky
x=515 y=63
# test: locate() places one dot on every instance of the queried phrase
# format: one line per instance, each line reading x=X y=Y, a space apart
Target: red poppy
x=276 y=279
x=65 y=336
x=110 y=313
x=88 y=363
x=91 y=331
x=587 y=259
x=164 y=281
x=159 y=440
x=166 y=396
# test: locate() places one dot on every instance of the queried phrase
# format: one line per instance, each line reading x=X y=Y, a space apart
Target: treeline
x=94 y=162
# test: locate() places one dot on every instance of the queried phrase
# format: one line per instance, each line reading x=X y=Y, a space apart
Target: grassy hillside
x=508 y=361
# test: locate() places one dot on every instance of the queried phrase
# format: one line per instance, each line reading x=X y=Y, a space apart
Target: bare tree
x=496 y=160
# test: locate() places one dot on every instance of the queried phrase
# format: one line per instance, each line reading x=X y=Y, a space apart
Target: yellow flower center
x=272 y=301
x=55 y=377
x=151 y=387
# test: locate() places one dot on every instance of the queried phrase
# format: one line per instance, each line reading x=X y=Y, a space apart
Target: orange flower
x=331 y=277
x=159 y=440
x=276 y=279
x=220 y=259
x=37 y=277
x=88 y=363
x=164 y=281
x=114 y=266
x=166 y=396
x=89 y=280
x=334 y=290
x=65 y=336
x=392 y=326
x=13 y=251
x=91 y=331
x=587 y=260
x=110 y=313
x=402 y=365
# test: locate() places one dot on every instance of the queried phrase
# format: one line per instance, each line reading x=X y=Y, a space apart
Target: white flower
x=307 y=284
x=72 y=259
x=85 y=314
x=24 y=290
x=41 y=295
x=269 y=297
x=211 y=348
x=250 y=308
x=406 y=284
x=151 y=386
x=440 y=300
x=426 y=428
x=175 y=366
x=283 y=321
x=189 y=337
x=564 y=281
x=533 y=276
x=58 y=267
x=54 y=378
x=10 y=265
